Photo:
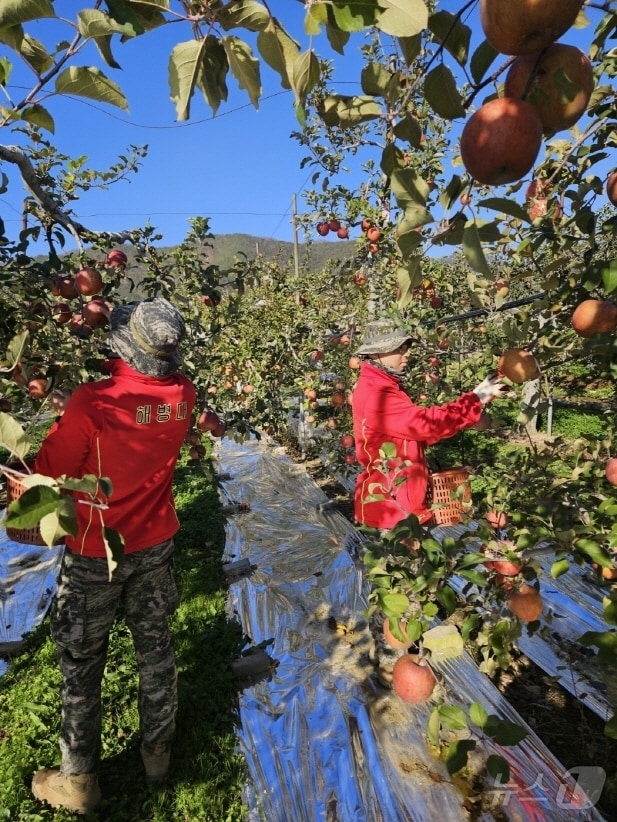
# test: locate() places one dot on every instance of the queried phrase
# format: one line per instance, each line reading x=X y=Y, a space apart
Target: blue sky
x=240 y=168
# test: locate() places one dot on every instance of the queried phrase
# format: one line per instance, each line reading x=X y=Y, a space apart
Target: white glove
x=490 y=388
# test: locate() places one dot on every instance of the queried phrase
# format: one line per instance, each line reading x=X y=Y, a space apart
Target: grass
x=207 y=771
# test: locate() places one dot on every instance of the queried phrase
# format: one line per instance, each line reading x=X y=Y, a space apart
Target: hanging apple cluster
x=501 y=140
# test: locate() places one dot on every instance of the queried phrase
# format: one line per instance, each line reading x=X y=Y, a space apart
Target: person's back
x=128 y=428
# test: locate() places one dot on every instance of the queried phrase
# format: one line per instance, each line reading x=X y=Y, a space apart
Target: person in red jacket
x=128 y=427
x=383 y=412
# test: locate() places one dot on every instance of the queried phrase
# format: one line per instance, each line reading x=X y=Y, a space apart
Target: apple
x=310 y=393
x=500 y=141
x=88 y=281
x=611 y=187
x=350 y=459
x=373 y=248
x=366 y=224
x=412 y=679
x=373 y=234
x=434 y=361
x=465 y=198
x=96 y=313
x=347 y=441
x=525 y=603
x=342 y=233
x=594 y=317
x=436 y=302
x=79 y=327
x=338 y=399
x=208 y=421
x=518 y=365
x=212 y=299
x=196 y=452
x=557 y=82
x=323 y=229
x=316 y=355
x=610 y=470
x=526 y=25
x=334 y=225
x=61 y=313
x=359 y=278
x=116 y=259
x=496 y=519
x=64 y=287
x=391 y=640
x=354 y=363
x=502 y=289
x=37 y=387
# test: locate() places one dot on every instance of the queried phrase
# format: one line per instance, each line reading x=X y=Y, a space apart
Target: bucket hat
x=146 y=335
x=382 y=337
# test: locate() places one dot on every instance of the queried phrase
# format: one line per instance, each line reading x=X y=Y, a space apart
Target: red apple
x=323 y=229
x=557 y=82
x=334 y=225
x=96 y=313
x=79 y=327
x=88 y=281
x=342 y=233
x=347 y=441
x=610 y=470
x=500 y=141
x=37 y=387
x=526 y=25
x=64 y=287
x=208 y=421
x=436 y=302
x=412 y=679
x=611 y=187
x=116 y=258
x=61 y=313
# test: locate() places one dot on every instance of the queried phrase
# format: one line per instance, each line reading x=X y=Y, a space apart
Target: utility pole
x=295 y=230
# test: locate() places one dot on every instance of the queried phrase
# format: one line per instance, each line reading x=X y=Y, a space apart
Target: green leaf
x=472 y=248
x=14 y=351
x=185 y=64
x=354 y=15
x=609 y=276
x=211 y=79
x=502 y=731
x=498 y=768
x=434 y=726
x=408 y=128
x=246 y=14
x=393 y=604
x=505 y=206
x=442 y=94
x=481 y=60
x=447 y=599
x=12 y=36
x=244 y=67
x=410 y=47
x=114 y=549
x=90 y=82
x=448 y=29
x=595 y=551
x=13 y=437
x=38 y=116
x=88 y=484
x=278 y=50
x=374 y=79
x=477 y=714
x=316 y=17
x=337 y=39
x=443 y=641
x=402 y=18
x=409 y=188
x=456 y=758
x=35 y=54
x=452 y=717
x=305 y=74
x=345 y=111
x=35 y=503
x=559 y=567
x=14 y=12
x=59 y=523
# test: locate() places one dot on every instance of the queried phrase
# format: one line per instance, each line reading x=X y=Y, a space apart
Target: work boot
x=78 y=793
x=156 y=760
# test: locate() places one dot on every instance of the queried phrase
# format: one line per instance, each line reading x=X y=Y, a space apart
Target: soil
x=573 y=733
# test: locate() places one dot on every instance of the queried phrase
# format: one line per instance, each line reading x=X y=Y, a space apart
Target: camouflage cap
x=383 y=337
x=146 y=335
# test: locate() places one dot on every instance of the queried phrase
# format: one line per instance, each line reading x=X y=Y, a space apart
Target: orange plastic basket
x=442 y=486
x=14 y=489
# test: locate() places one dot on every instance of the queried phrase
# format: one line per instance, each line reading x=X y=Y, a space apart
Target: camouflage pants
x=82 y=614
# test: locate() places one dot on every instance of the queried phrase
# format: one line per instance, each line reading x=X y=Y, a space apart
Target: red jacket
x=384 y=412
x=128 y=427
